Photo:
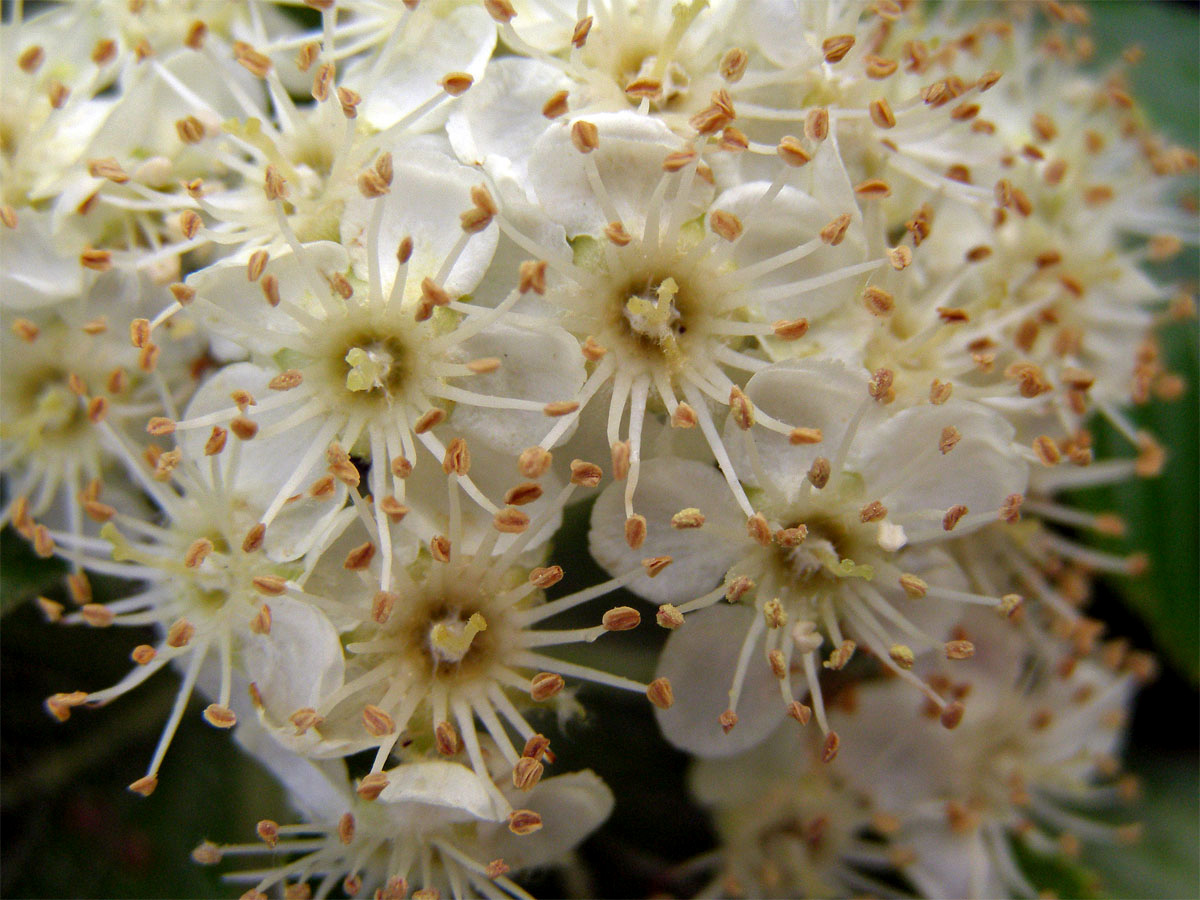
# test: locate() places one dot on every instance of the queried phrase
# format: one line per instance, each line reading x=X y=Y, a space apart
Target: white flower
x=671 y=292
x=430 y=829
x=789 y=826
x=1036 y=750
x=844 y=534
x=451 y=637
x=207 y=569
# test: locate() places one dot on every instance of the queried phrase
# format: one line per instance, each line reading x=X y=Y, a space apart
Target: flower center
x=451 y=639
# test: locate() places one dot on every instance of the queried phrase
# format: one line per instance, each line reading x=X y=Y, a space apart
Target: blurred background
x=70 y=827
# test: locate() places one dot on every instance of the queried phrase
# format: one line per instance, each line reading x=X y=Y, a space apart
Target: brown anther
x=197 y=552
x=655 y=564
x=953 y=315
x=799 y=712
x=243 y=427
x=182 y=293
x=902 y=656
x=527 y=773
x=816 y=124
x=616 y=233
x=959 y=649
x=687 y=518
x=819 y=472
x=160 y=426
x=190 y=130
x=180 y=633
x=835 y=232
x=104 y=51
x=792 y=152
x=660 y=693
x=43 y=543
x=207 y=854
x=145 y=785
x=1010 y=510
x=257 y=64
x=728 y=720
x=733 y=64
x=621 y=618
x=840 y=656
x=377 y=722
x=533 y=462
x=635 y=531
x=1151 y=457
x=899 y=257
x=878 y=301
x=60 y=705
x=873 y=189
x=556 y=105
x=304 y=719
x=524 y=821
x=372 y=786
x=560 y=408
x=8 y=216
x=879 y=68
x=260 y=622
x=684 y=417
x=758 y=529
x=952 y=714
x=880 y=386
x=345 y=828
x=949 y=439
x=545 y=685
x=254 y=538
x=457 y=83
x=585 y=136
x=952 y=516
x=738 y=587
x=914 y=586
x=96 y=260
x=725 y=224
x=274 y=184
x=644 y=89
x=546 y=577
x=835 y=48
x=510 y=520
x=50 y=609
x=348 y=100
x=579 y=34
x=271 y=585
x=148 y=358
x=429 y=419
x=668 y=616
x=741 y=408
x=789 y=329
x=881 y=113
x=829 y=748
x=30 y=59
x=1046 y=450
x=872 y=512
x=523 y=494
x=219 y=716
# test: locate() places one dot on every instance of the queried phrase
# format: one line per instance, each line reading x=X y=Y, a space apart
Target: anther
x=523 y=494
x=816 y=124
x=260 y=623
x=790 y=329
x=621 y=618
x=835 y=48
x=635 y=531
x=555 y=106
x=733 y=65
x=741 y=408
x=219 y=716
x=372 y=786
x=377 y=722
x=559 y=408
x=271 y=585
x=792 y=152
x=457 y=83
x=881 y=113
x=257 y=64
x=655 y=564
x=527 y=773
x=952 y=516
x=959 y=649
x=585 y=136
x=660 y=693
x=829 y=747
x=510 y=520
x=684 y=417
x=818 y=472
x=545 y=685
x=902 y=656
x=668 y=616
x=524 y=821
x=145 y=785
x=952 y=714
x=254 y=538
x=534 y=461
x=835 y=231
x=428 y=420
x=758 y=529
x=687 y=518
x=546 y=577
x=725 y=224
x=531 y=276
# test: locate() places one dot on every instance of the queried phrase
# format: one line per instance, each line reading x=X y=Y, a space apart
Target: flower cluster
x=315 y=325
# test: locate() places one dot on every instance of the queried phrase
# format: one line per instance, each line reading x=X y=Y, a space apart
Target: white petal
x=541 y=365
x=808 y=394
x=902 y=465
x=701 y=556
x=572 y=806
x=629 y=159
x=439 y=783
x=499 y=120
x=700 y=659
x=429 y=191
x=431 y=45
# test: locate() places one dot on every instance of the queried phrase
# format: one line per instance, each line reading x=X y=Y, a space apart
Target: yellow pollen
x=368 y=368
